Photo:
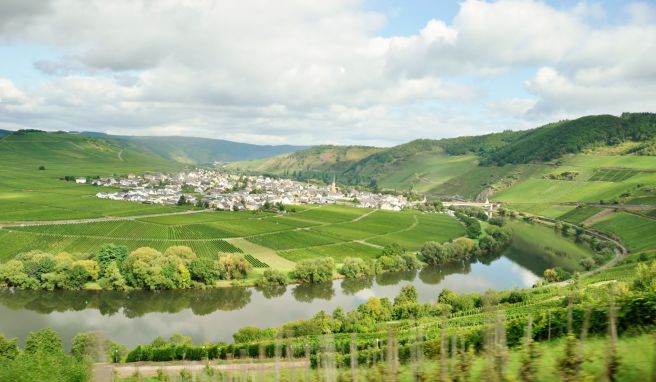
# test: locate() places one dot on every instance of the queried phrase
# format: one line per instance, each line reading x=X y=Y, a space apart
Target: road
x=103 y=371
x=101 y=219
x=620 y=249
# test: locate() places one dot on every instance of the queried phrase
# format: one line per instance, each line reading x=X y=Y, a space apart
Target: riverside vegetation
x=113 y=267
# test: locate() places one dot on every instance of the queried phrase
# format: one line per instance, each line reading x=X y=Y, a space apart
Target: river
x=215 y=314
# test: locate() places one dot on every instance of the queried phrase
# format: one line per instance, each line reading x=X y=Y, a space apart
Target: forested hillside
x=570 y=137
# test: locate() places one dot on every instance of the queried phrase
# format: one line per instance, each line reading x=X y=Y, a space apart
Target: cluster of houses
x=224 y=191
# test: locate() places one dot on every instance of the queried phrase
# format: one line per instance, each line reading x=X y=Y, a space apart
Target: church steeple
x=333 y=187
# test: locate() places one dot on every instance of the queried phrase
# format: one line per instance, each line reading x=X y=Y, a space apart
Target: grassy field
x=637 y=232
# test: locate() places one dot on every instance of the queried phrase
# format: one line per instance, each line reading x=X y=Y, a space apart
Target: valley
x=273 y=259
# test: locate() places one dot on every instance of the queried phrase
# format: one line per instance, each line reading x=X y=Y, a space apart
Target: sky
x=370 y=72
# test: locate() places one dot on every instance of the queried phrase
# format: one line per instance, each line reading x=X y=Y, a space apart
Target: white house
x=80 y=180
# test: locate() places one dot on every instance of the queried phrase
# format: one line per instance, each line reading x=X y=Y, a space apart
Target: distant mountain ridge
x=193 y=150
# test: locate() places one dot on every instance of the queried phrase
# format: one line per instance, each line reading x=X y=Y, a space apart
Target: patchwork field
x=268 y=238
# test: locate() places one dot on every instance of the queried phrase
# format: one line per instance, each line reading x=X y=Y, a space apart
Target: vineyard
x=331 y=230
x=612 y=175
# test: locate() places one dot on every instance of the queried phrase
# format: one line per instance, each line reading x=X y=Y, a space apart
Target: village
x=213 y=188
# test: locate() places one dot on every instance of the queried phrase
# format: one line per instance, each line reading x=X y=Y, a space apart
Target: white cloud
x=313 y=72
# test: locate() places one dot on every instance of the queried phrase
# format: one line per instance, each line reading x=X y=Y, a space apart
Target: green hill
x=32 y=163
x=318 y=162
x=191 y=150
x=552 y=141
x=476 y=166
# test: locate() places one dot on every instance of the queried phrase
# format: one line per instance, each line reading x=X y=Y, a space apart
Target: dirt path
x=120 y=155
x=96 y=220
x=598 y=216
x=126 y=370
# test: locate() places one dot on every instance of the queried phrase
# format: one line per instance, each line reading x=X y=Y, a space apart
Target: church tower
x=333 y=187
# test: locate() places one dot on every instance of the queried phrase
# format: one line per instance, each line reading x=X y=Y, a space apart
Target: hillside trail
x=120 y=155
x=598 y=216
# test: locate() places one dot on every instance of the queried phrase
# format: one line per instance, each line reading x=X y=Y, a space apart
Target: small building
x=80 y=180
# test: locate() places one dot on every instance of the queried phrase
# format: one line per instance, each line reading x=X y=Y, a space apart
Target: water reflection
x=215 y=314
x=308 y=292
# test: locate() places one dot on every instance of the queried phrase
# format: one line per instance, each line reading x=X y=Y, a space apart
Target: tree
x=182 y=201
x=550 y=275
x=86 y=344
x=113 y=279
x=12 y=273
x=407 y=295
x=75 y=278
x=392 y=250
x=355 y=268
x=44 y=340
x=315 y=270
x=587 y=263
x=434 y=253
x=272 y=277
x=109 y=253
x=182 y=252
x=233 y=266
x=488 y=244
x=42 y=168
x=204 y=270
